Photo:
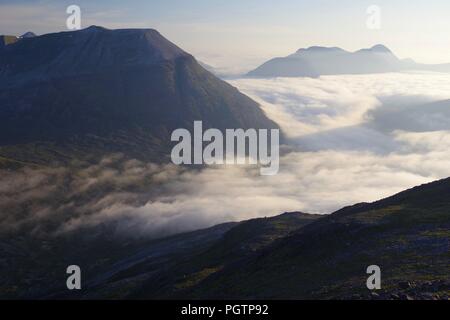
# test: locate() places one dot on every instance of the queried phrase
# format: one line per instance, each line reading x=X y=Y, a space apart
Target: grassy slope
x=243 y=242
x=407 y=235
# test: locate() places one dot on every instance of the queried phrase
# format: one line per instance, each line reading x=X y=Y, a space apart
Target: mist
x=351 y=139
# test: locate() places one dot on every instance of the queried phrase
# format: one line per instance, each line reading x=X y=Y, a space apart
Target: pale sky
x=241 y=34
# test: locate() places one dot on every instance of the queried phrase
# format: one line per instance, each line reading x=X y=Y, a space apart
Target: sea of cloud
x=352 y=138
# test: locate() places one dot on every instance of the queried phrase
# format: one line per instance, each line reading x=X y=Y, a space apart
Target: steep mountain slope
x=97 y=91
x=407 y=235
x=28 y=34
x=317 y=61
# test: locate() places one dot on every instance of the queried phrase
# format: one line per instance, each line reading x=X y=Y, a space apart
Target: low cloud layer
x=352 y=139
x=309 y=105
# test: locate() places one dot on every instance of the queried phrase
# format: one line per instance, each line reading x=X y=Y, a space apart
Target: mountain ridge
x=317 y=60
x=86 y=51
x=406 y=234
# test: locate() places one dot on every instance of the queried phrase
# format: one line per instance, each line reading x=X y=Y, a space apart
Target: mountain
x=28 y=34
x=316 y=61
x=96 y=91
x=407 y=235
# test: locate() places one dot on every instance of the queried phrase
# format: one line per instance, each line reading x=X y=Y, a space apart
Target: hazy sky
x=240 y=34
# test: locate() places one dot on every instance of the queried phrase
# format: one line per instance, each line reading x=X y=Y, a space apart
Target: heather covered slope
x=93 y=92
x=173 y=266
x=407 y=235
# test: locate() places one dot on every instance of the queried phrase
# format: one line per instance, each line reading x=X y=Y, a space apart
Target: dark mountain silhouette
x=95 y=91
x=317 y=61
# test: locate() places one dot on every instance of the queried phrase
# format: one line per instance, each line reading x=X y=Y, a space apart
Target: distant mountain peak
x=95 y=28
x=378 y=48
x=28 y=34
x=320 y=49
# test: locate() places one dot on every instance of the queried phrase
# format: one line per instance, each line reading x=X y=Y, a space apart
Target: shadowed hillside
x=291 y=256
